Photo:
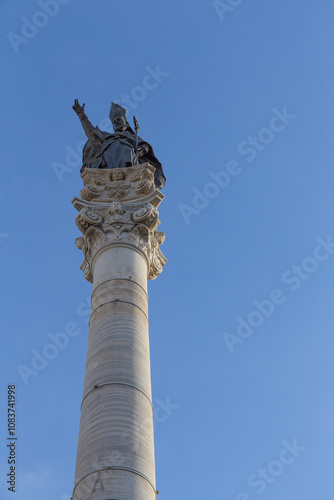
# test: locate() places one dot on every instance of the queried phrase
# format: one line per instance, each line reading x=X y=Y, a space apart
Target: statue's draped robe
x=105 y=150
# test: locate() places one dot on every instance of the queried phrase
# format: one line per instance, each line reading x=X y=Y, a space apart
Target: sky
x=236 y=98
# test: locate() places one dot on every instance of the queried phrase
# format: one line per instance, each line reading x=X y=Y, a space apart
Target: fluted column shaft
x=118 y=219
x=115 y=458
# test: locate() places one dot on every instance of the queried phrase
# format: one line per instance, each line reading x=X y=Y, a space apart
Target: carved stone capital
x=119 y=207
x=131 y=183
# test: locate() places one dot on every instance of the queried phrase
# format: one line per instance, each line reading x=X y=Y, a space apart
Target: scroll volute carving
x=114 y=222
x=124 y=184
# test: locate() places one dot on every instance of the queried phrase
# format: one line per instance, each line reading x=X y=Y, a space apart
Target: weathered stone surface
x=120 y=207
x=118 y=219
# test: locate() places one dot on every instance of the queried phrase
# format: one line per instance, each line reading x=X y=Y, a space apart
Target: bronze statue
x=122 y=149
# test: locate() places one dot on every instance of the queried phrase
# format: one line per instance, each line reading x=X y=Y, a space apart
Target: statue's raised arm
x=91 y=132
x=77 y=108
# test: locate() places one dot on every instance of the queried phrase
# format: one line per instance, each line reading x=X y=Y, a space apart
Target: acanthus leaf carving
x=132 y=222
x=140 y=236
x=95 y=239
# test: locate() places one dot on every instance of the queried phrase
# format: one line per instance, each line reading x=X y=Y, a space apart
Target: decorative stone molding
x=131 y=183
x=119 y=206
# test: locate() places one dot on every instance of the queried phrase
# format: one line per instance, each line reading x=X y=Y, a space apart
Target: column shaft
x=115 y=458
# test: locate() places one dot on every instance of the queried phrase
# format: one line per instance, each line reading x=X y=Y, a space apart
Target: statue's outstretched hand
x=77 y=108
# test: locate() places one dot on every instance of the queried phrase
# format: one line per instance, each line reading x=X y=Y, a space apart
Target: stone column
x=118 y=218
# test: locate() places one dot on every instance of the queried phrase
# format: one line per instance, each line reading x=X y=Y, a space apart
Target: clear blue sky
x=240 y=113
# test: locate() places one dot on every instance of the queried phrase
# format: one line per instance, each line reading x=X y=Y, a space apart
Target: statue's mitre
x=116 y=110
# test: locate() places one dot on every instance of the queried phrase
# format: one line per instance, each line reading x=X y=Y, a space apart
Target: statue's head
x=118 y=117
